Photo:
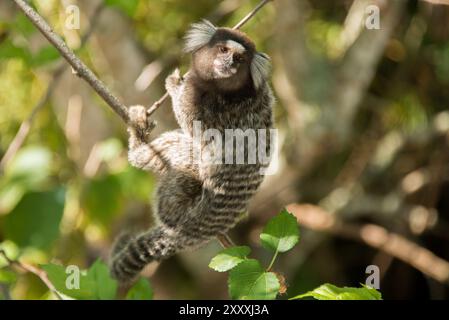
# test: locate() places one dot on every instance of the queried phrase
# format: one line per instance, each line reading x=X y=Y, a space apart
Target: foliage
x=330 y=292
x=249 y=280
x=390 y=168
x=94 y=283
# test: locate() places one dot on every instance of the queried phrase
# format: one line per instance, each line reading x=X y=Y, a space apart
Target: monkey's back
x=218 y=194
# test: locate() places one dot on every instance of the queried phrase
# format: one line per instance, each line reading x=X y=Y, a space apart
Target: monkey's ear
x=199 y=35
x=260 y=68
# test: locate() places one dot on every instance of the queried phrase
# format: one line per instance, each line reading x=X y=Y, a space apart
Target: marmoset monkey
x=226 y=88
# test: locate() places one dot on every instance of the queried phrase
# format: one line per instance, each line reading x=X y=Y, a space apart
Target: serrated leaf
x=281 y=233
x=249 y=281
x=141 y=290
x=330 y=292
x=105 y=287
x=229 y=258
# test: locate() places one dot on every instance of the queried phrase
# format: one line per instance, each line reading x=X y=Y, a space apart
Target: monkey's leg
x=170 y=151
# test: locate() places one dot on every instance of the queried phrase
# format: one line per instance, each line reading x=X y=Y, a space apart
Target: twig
x=25 y=127
x=251 y=14
x=395 y=245
x=41 y=274
x=225 y=241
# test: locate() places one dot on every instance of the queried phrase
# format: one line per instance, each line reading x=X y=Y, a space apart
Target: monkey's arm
x=170 y=150
x=182 y=108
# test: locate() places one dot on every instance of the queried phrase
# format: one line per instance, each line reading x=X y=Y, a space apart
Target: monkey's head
x=226 y=57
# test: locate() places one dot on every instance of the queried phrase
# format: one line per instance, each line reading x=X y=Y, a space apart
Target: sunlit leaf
x=281 y=233
x=330 y=292
x=95 y=283
x=229 y=258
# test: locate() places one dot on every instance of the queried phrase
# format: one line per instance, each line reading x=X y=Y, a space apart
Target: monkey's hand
x=140 y=126
x=173 y=83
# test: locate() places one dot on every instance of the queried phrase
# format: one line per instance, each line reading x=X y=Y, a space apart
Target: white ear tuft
x=260 y=68
x=199 y=35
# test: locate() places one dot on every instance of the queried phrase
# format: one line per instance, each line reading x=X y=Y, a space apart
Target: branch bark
x=41 y=274
x=395 y=245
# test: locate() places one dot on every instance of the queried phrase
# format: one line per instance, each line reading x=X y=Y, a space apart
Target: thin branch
x=225 y=241
x=395 y=245
x=251 y=14
x=41 y=274
x=25 y=127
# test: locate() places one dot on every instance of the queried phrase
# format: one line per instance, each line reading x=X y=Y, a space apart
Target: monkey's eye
x=239 y=58
x=223 y=49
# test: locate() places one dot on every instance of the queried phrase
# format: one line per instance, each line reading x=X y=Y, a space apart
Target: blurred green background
x=362 y=115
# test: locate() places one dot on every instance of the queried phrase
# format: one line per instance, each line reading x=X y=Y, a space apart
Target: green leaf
x=229 y=258
x=35 y=220
x=249 y=281
x=94 y=284
x=330 y=292
x=60 y=279
x=281 y=233
x=140 y=291
x=127 y=6
x=105 y=287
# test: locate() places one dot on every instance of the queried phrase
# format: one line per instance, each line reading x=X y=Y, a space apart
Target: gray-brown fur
x=198 y=201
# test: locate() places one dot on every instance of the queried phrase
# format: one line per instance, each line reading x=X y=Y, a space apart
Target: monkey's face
x=226 y=57
x=230 y=59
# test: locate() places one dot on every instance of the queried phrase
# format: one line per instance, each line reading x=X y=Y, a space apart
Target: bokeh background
x=363 y=123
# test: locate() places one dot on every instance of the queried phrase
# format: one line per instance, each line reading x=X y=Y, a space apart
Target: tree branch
x=395 y=245
x=41 y=274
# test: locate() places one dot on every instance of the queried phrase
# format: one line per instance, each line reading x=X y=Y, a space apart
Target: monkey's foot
x=139 y=121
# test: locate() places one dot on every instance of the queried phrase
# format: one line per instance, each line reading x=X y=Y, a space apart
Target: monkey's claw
x=173 y=81
x=138 y=116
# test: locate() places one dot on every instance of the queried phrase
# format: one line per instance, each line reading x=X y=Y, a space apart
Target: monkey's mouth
x=224 y=70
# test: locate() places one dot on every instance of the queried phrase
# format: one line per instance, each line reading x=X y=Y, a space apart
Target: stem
x=30 y=268
x=272 y=260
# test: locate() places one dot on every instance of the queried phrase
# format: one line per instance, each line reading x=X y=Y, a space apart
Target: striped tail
x=131 y=254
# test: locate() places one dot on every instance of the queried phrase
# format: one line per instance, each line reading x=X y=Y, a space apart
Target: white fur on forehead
x=237 y=47
x=199 y=35
x=260 y=68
